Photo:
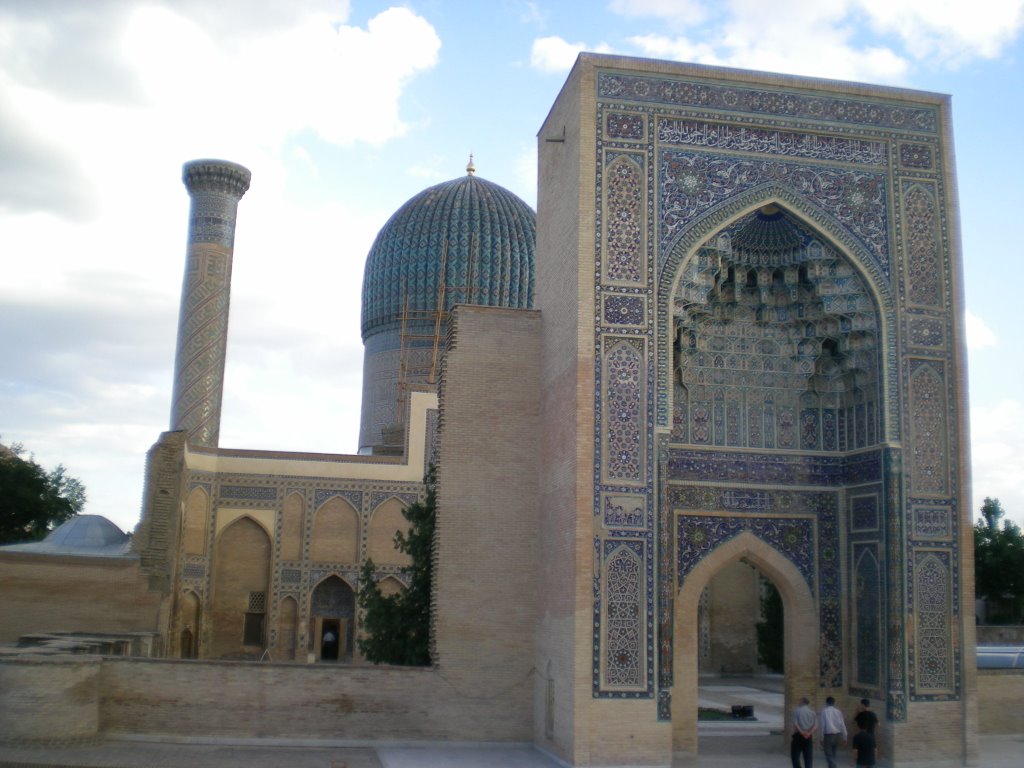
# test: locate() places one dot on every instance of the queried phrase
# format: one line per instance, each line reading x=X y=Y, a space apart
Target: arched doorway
x=801 y=629
x=332 y=620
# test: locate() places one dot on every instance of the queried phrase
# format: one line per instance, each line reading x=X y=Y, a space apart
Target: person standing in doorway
x=805 y=723
x=833 y=731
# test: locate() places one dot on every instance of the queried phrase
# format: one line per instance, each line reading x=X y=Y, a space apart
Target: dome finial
x=470 y=168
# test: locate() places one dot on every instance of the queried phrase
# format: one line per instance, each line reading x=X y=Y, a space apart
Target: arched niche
x=387 y=519
x=197 y=521
x=801 y=630
x=332 y=611
x=688 y=275
x=335 y=532
x=241 y=577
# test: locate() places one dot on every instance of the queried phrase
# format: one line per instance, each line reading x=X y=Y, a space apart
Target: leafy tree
x=999 y=564
x=396 y=628
x=770 y=630
x=33 y=501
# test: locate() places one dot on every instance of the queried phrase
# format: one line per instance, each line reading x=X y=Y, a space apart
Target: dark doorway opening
x=329 y=640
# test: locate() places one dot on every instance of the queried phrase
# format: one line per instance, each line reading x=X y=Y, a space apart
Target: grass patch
x=706 y=713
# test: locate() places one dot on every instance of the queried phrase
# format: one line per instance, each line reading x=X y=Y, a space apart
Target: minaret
x=215 y=187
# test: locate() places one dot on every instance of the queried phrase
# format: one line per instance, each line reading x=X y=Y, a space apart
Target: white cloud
x=809 y=37
x=554 y=54
x=676 y=12
x=997 y=448
x=979 y=335
x=948 y=30
x=100 y=232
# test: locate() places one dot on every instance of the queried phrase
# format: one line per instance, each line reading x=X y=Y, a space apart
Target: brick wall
x=49 y=593
x=486 y=565
x=49 y=700
x=1000 y=693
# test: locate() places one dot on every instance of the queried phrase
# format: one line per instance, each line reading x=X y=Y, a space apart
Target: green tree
x=999 y=564
x=33 y=501
x=396 y=628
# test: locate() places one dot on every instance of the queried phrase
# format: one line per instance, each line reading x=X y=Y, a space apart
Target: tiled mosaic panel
x=624 y=617
x=922 y=245
x=929 y=441
x=779 y=150
x=867 y=626
x=625 y=203
x=624 y=396
x=775 y=343
x=815 y=555
x=759 y=99
x=933 y=657
x=692 y=183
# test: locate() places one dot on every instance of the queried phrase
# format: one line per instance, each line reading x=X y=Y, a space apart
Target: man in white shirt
x=805 y=723
x=833 y=730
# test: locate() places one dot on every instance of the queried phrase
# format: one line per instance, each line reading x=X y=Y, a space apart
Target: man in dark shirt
x=864 y=748
x=865 y=718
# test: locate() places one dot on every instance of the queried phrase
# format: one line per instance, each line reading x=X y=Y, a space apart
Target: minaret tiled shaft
x=215 y=187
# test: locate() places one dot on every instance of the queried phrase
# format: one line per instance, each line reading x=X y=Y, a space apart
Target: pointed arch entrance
x=774 y=336
x=801 y=629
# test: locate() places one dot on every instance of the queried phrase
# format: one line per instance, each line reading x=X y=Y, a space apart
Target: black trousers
x=801 y=746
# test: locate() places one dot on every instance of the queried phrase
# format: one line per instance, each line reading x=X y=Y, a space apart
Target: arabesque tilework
x=769 y=251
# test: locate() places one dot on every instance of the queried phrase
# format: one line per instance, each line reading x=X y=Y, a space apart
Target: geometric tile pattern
x=215 y=189
x=764 y=254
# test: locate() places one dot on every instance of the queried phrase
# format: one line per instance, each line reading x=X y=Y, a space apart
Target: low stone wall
x=51 y=700
x=1000 y=634
x=256 y=700
x=63 y=699
x=1001 y=700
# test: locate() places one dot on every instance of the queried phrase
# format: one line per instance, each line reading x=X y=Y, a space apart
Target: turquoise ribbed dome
x=489 y=235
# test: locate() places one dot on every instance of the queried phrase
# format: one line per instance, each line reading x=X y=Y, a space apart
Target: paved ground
x=754 y=744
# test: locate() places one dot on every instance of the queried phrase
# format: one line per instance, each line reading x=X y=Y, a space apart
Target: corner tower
x=215 y=187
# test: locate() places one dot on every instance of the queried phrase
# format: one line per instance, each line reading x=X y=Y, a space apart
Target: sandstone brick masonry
x=88 y=696
x=40 y=593
x=486 y=578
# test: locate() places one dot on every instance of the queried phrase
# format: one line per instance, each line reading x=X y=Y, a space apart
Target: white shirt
x=832 y=722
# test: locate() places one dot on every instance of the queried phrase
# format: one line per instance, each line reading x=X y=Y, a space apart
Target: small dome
x=86 y=532
x=89 y=535
x=767 y=232
x=481 y=233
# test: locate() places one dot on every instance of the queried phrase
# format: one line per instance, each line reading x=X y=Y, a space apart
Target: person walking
x=833 y=731
x=865 y=749
x=865 y=718
x=805 y=723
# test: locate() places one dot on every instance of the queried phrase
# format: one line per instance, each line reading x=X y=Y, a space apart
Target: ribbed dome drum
x=483 y=235
x=470 y=236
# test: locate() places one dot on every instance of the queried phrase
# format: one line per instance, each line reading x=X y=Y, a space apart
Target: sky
x=345 y=110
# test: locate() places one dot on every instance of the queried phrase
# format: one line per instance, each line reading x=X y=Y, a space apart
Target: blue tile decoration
x=760 y=99
x=487 y=236
x=916 y=156
x=377 y=498
x=921 y=216
x=624 y=126
x=355 y=498
x=867 y=617
x=934 y=521
x=247 y=493
x=694 y=183
x=772 y=141
x=624 y=245
x=754 y=438
x=624 y=310
x=934 y=661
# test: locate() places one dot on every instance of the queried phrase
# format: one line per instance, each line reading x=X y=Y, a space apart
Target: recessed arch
x=801 y=629
x=335 y=536
x=387 y=519
x=710 y=227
